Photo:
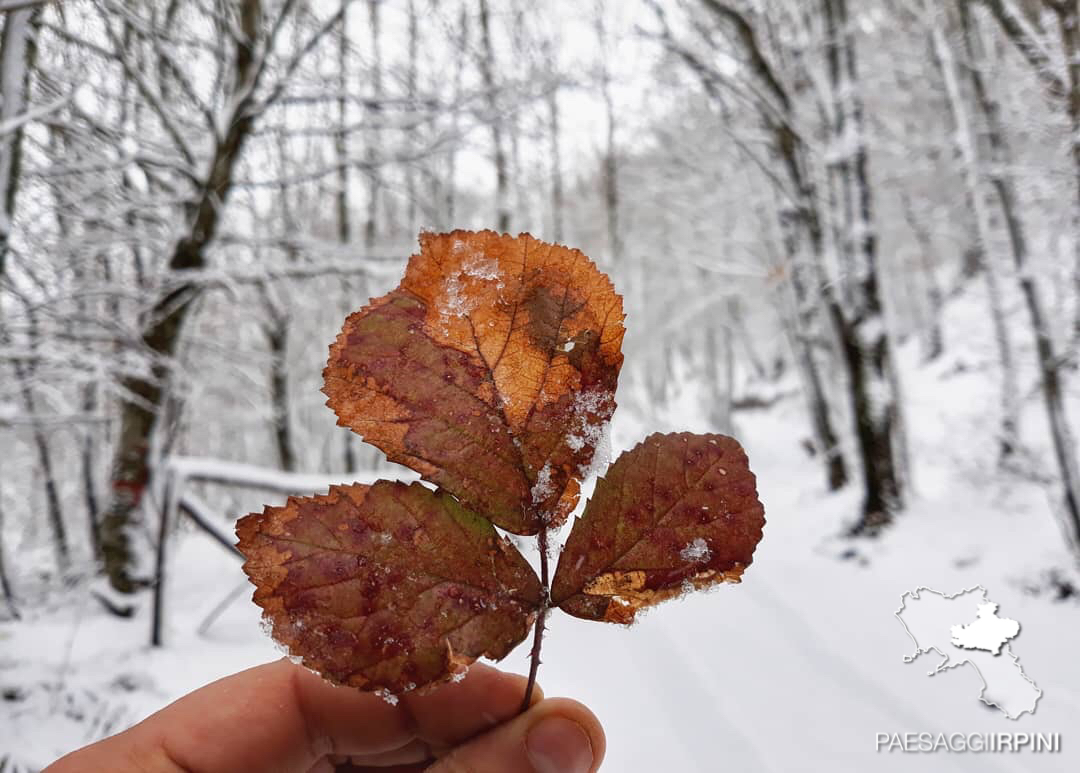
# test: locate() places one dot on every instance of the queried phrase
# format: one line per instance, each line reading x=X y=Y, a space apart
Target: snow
x=454 y=303
x=389 y=697
x=585 y=430
x=543 y=488
x=253 y=476
x=697 y=550
x=480 y=267
x=802 y=663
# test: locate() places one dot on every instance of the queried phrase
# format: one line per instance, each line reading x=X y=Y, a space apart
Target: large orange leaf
x=389 y=586
x=674 y=513
x=491 y=370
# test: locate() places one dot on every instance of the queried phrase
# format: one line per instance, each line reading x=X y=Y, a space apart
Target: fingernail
x=558 y=745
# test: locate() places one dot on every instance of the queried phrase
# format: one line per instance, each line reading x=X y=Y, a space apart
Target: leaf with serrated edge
x=674 y=513
x=387 y=587
x=496 y=359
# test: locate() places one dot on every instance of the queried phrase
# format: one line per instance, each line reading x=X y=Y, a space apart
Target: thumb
x=556 y=735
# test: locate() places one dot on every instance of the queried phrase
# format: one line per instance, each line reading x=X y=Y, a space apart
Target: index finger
x=282 y=717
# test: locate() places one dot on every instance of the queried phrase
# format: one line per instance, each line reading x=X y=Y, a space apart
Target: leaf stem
x=541 y=615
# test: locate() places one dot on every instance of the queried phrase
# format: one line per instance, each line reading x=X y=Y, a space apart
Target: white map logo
x=964 y=629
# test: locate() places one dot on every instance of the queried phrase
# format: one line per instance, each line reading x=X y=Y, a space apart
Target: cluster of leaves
x=491 y=371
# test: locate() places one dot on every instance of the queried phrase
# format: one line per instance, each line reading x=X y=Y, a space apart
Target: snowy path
x=798 y=667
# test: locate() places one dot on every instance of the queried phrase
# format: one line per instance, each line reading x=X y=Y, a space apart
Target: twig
x=541 y=615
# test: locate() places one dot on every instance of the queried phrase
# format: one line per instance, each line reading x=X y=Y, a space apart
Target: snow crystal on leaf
x=698 y=550
x=543 y=487
x=585 y=430
x=387 y=696
x=454 y=304
x=480 y=267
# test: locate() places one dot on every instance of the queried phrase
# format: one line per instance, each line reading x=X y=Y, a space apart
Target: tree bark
x=139 y=420
x=863 y=333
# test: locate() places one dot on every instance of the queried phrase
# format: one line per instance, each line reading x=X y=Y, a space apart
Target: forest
x=847 y=233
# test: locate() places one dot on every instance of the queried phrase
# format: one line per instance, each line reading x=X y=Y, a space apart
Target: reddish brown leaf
x=387 y=586
x=495 y=360
x=674 y=513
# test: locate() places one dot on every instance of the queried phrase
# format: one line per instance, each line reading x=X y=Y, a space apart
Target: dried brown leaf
x=491 y=370
x=387 y=587
x=674 y=513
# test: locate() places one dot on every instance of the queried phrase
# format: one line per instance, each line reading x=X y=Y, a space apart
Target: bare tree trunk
x=487 y=72
x=864 y=336
x=411 y=86
x=276 y=329
x=611 y=164
x=1049 y=362
x=839 y=164
x=25 y=373
x=967 y=146
x=279 y=397
x=803 y=331
x=555 y=151
x=1068 y=13
x=450 y=203
x=89 y=475
x=374 y=140
x=17 y=54
x=5 y=582
x=341 y=139
x=716 y=361
x=138 y=420
x=344 y=234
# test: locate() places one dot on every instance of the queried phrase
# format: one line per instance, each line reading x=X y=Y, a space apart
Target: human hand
x=281 y=717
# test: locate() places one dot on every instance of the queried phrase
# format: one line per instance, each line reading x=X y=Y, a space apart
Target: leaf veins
x=674 y=513
x=495 y=359
x=387 y=587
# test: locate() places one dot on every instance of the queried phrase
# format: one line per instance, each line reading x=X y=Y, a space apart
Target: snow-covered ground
x=797 y=668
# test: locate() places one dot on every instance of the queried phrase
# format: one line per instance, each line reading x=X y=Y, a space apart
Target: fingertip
x=556 y=735
x=551 y=733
